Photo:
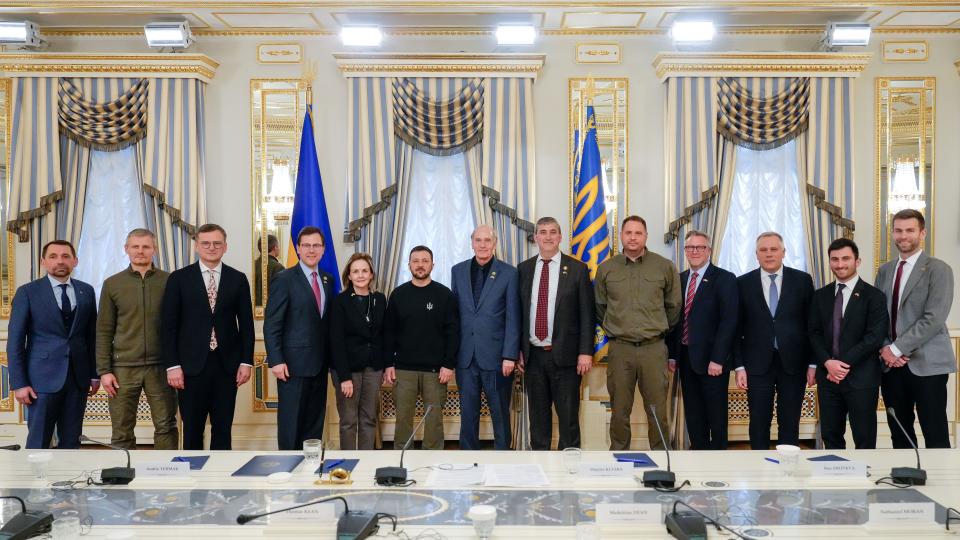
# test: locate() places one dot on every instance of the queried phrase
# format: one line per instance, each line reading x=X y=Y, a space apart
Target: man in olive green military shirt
x=638 y=301
x=128 y=346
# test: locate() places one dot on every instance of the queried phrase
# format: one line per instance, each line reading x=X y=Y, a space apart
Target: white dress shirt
x=909 y=263
x=58 y=292
x=765 y=284
x=848 y=287
x=554 y=269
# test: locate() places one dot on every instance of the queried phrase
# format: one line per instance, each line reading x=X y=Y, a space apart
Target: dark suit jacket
x=489 y=331
x=573 y=316
x=294 y=333
x=39 y=346
x=356 y=344
x=713 y=320
x=186 y=320
x=758 y=328
x=862 y=331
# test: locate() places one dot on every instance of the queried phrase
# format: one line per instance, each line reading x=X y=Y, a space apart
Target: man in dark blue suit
x=488 y=293
x=774 y=354
x=50 y=348
x=703 y=342
x=295 y=336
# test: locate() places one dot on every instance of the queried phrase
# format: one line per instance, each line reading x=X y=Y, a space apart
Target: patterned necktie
x=837 y=320
x=317 y=292
x=691 y=290
x=212 y=298
x=895 y=301
x=543 y=296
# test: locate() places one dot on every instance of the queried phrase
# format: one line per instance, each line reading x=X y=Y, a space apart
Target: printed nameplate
x=318 y=513
x=619 y=513
x=163 y=469
x=901 y=513
x=606 y=469
x=839 y=468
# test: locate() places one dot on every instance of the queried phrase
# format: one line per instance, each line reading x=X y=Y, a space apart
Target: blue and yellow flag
x=591 y=238
x=309 y=204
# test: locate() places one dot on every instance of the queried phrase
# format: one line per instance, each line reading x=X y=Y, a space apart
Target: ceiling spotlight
x=174 y=35
x=692 y=31
x=844 y=34
x=516 y=34
x=23 y=33
x=361 y=36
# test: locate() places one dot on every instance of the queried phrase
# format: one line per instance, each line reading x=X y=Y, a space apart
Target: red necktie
x=316 y=293
x=895 y=301
x=543 y=296
x=691 y=290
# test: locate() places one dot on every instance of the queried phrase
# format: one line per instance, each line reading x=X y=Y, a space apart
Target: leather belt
x=639 y=343
x=547 y=348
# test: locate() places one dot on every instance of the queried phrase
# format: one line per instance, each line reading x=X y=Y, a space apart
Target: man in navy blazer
x=488 y=293
x=774 y=351
x=295 y=335
x=50 y=349
x=702 y=343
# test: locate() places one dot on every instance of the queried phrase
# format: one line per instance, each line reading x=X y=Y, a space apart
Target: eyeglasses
x=696 y=249
x=215 y=245
x=311 y=246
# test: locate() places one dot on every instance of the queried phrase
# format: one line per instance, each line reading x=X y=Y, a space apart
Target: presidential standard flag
x=591 y=240
x=309 y=204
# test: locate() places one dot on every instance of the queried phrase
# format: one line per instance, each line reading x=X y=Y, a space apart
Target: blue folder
x=267 y=465
x=330 y=464
x=639 y=459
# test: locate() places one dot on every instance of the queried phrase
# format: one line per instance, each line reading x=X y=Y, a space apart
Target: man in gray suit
x=917 y=355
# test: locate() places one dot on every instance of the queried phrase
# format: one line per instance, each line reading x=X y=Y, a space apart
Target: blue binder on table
x=267 y=465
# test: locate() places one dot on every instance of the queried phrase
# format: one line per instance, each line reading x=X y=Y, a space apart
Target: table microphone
x=351 y=525
x=13 y=447
x=25 y=524
x=692 y=525
x=395 y=476
x=907 y=475
x=114 y=476
x=658 y=478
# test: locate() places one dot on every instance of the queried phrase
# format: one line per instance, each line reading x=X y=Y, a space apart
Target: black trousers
x=301 y=407
x=211 y=393
x=705 y=405
x=549 y=385
x=903 y=391
x=789 y=391
x=839 y=400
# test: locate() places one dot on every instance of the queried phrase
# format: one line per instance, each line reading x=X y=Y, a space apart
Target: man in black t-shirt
x=422 y=334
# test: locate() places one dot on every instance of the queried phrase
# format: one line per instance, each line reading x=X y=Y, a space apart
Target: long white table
x=724 y=476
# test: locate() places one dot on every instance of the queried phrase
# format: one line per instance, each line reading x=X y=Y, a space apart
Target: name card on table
x=605 y=469
x=318 y=513
x=857 y=469
x=163 y=469
x=901 y=513
x=633 y=513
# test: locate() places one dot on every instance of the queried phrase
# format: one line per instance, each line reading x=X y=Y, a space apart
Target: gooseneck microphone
x=690 y=525
x=26 y=524
x=114 y=476
x=351 y=525
x=907 y=475
x=660 y=479
x=397 y=476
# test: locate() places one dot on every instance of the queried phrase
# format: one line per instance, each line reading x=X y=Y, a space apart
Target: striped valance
x=434 y=125
x=759 y=122
x=105 y=126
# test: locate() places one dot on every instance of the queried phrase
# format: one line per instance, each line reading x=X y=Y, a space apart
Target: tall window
x=113 y=206
x=439 y=213
x=766 y=197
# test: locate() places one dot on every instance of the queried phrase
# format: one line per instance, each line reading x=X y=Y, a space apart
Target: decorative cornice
x=185 y=66
x=439 y=65
x=781 y=64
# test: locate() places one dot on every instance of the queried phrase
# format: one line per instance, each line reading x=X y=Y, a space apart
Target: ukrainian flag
x=309 y=204
x=591 y=239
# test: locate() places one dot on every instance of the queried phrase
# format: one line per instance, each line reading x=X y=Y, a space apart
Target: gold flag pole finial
x=307 y=77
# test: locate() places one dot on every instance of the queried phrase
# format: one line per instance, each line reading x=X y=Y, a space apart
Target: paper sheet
x=515 y=475
x=459 y=475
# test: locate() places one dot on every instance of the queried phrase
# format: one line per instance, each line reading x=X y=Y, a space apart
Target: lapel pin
x=564 y=269
x=493 y=275
x=856 y=294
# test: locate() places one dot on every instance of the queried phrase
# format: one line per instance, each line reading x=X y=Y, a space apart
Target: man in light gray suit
x=917 y=356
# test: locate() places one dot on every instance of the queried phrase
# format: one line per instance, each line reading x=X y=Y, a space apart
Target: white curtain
x=766 y=197
x=439 y=213
x=113 y=207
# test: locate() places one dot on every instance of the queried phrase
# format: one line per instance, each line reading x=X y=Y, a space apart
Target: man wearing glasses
x=207 y=328
x=295 y=335
x=701 y=345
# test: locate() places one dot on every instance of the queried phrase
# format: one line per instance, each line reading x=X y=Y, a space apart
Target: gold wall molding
x=779 y=64
x=439 y=65
x=186 y=66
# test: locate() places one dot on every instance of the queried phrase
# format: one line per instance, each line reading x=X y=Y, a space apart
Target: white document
x=459 y=475
x=515 y=475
